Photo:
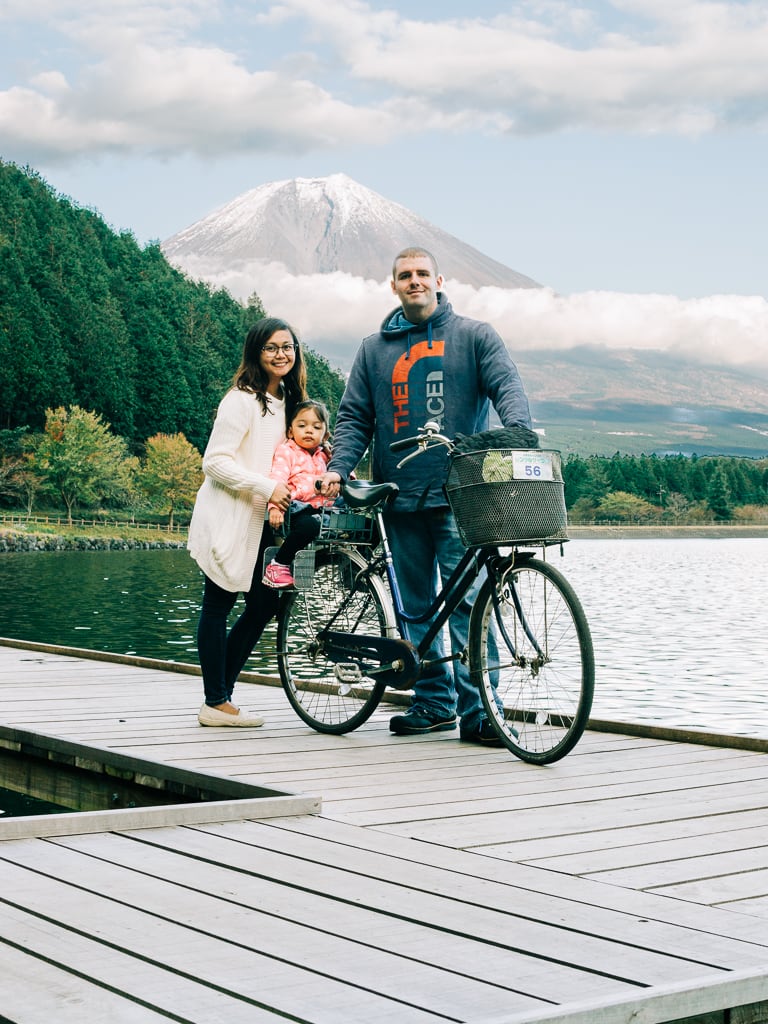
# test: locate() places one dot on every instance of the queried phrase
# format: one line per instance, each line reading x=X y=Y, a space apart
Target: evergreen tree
x=719 y=496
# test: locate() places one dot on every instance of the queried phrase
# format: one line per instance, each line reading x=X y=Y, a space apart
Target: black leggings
x=304 y=526
x=222 y=655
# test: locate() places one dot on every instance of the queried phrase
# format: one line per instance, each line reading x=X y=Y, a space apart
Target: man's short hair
x=414 y=252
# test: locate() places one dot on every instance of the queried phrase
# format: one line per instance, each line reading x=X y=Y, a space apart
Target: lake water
x=679 y=626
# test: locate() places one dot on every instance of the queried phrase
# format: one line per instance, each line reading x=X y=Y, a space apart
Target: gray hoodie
x=449 y=369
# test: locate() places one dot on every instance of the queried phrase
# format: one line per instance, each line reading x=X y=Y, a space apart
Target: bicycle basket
x=342 y=525
x=506 y=495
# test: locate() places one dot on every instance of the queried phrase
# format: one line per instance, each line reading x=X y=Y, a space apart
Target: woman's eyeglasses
x=272 y=350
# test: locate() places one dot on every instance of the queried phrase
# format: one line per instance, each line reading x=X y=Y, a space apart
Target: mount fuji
x=322 y=226
x=318 y=252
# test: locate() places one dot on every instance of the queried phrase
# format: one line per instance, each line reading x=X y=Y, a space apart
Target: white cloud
x=685 y=67
x=167 y=77
x=174 y=94
x=335 y=311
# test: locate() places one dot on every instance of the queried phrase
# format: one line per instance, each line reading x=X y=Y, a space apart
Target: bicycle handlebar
x=429 y=436
x=404 y=443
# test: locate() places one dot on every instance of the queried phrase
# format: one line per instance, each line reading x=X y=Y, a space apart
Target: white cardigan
x=228 y=518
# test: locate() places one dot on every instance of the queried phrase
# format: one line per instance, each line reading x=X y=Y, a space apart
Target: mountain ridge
x=322 y=225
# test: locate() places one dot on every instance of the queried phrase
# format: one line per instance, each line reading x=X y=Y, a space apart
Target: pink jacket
x=299 y=469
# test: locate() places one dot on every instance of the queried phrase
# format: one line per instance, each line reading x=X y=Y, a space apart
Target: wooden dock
x=439 y=882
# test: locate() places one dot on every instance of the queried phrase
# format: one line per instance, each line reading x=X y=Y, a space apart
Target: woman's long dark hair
x=250 y=375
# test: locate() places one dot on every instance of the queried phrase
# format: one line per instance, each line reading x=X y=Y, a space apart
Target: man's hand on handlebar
x=329 y=485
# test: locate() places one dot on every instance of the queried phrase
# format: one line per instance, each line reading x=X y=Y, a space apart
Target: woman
x=228 y=535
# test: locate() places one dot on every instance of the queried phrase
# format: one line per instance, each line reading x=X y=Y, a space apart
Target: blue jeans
x=222 y=655
x=421 y=543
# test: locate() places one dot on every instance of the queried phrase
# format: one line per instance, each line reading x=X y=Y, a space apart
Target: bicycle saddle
x=361 y=493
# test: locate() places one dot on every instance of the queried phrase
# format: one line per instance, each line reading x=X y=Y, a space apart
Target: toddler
x=298 y=462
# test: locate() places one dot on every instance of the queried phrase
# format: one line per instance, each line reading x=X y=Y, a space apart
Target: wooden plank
x=194 y=972
x=32 y=990
x=429 y=882
x=488 y=798
x=62 y=953
x=623 y=847
x=751 y=862
x=722 y=889
x=147 y=817
x=755 y=905
x=369 y=784
x=670 y=1004
x=407 y=940
x=464 y=905
x=710 y=921
x=497 y=826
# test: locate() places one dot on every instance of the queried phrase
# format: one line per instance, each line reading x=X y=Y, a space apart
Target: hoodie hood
x=396 y=327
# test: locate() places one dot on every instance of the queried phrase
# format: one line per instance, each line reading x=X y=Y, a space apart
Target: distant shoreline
x=713 y=531
x=11 y=540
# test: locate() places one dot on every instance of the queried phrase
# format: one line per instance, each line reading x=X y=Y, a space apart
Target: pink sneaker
x=277 y=576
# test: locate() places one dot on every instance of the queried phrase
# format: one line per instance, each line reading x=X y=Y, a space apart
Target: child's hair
x=322 y=414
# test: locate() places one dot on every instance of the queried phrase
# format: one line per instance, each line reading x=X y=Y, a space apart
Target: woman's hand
x=281 y=497
x=276 y=518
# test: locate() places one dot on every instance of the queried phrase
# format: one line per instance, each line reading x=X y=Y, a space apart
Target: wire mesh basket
x=339 y=524
x=507 y=495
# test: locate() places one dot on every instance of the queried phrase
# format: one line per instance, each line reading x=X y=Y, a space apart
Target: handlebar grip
x=403 y=443
x=318 y=485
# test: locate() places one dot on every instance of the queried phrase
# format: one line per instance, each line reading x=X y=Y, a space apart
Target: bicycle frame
x=440 y=610
x=446 y=600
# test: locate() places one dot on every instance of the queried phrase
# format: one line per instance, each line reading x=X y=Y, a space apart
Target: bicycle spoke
x=328 y=696
x=532 y=658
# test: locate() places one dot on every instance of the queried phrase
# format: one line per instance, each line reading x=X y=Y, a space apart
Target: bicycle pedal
x=348 y=672
x=348 y=675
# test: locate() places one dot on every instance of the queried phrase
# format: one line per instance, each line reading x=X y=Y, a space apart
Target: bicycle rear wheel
x=529 y=637
x=319 y=690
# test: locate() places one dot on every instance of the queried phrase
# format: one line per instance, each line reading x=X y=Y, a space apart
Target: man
x=426 y=363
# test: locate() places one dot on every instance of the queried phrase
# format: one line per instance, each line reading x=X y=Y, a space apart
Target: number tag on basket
x=532 y=465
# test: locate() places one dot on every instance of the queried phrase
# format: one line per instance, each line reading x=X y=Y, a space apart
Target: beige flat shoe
x=243 y=720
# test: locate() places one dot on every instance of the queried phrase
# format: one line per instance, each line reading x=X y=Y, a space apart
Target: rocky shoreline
x=46 y=542
x=715 y=531
x=11 y=540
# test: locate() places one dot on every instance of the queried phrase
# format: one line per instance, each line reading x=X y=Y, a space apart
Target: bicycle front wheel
x=326 y=696
x=531 y=654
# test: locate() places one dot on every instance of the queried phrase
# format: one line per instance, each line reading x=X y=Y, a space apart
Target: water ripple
x=678 y=625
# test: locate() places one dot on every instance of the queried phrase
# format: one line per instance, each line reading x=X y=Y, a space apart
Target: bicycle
x=342 y=637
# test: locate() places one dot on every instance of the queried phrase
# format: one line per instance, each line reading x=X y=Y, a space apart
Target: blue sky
x=617 y=148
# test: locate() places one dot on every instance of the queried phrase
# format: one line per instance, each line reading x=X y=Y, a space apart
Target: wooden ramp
x=440 y=882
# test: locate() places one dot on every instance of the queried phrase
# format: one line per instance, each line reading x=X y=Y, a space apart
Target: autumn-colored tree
x=624 y=507
x=80 y=459
x=171 y=473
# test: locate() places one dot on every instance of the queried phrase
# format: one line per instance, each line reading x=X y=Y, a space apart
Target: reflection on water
x=678 y=625
x=679 y=630
x=126 y=602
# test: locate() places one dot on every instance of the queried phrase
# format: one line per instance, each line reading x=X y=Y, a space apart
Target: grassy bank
x=59 y=535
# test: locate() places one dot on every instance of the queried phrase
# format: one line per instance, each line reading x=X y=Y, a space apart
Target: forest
x=671 y=488
x=90 y=318
x=112 y=364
